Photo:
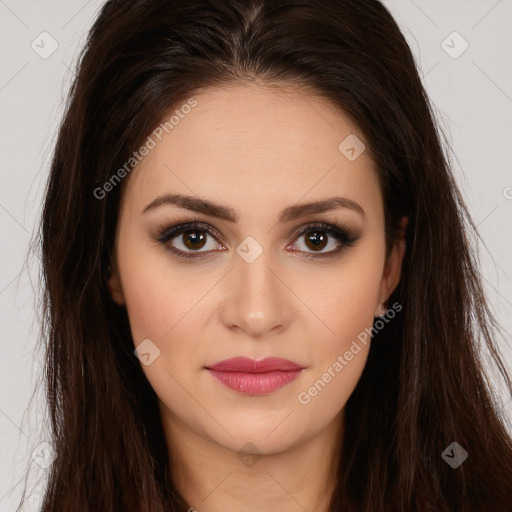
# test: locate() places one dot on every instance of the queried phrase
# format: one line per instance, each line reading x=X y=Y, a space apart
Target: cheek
x=345 y=295
x=346 y=306
x=164 y=307
x=162 y=303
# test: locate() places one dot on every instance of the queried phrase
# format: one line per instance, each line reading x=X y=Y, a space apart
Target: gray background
x=473 y=98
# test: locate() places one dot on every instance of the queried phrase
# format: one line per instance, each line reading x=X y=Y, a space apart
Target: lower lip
x=256 y=383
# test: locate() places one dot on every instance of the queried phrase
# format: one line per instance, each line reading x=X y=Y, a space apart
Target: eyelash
x=345 y=236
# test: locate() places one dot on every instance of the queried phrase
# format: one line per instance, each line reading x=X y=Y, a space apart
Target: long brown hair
x=424 y=385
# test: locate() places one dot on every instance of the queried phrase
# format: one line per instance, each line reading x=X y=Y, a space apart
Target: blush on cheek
x=147 y=315
x=349 y=312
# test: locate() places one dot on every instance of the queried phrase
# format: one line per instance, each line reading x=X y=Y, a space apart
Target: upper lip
x=247 y=365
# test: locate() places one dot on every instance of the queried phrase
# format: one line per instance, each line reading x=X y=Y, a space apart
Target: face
x=259 y=275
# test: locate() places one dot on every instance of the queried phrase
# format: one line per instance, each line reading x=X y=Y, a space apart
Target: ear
x=393 y=267
x=114 y=286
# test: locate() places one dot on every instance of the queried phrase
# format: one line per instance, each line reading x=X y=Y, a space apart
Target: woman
x=260 y=293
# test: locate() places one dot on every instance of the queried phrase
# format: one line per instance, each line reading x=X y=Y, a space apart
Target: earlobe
x=393 y=269
x=114 y=287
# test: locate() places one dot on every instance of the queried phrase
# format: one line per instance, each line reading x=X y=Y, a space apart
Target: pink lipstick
x=253 y=377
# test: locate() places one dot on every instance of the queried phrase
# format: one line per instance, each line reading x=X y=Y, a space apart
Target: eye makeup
x=200 y=231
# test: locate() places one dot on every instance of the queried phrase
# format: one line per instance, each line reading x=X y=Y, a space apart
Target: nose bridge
x=256 y=301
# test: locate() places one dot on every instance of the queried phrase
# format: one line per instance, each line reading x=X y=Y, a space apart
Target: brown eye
x=194 y=239
x=318 y=237
x=189 y=240
x=316 y=240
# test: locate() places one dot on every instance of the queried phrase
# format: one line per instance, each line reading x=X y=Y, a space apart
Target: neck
x=213 y=478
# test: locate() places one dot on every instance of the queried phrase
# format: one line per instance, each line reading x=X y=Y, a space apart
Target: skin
x=256 y=150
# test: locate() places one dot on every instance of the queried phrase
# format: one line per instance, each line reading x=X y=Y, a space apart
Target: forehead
x=251 y=146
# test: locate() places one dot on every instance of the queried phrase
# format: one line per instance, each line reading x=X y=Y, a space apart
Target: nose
x=256 y=301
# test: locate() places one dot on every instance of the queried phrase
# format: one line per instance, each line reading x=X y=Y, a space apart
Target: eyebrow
x=290 y=213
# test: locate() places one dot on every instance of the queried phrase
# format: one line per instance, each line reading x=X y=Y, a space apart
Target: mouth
x=252 y=377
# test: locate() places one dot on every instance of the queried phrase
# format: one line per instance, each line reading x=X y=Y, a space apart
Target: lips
x=252 y=377
x=246 y=365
